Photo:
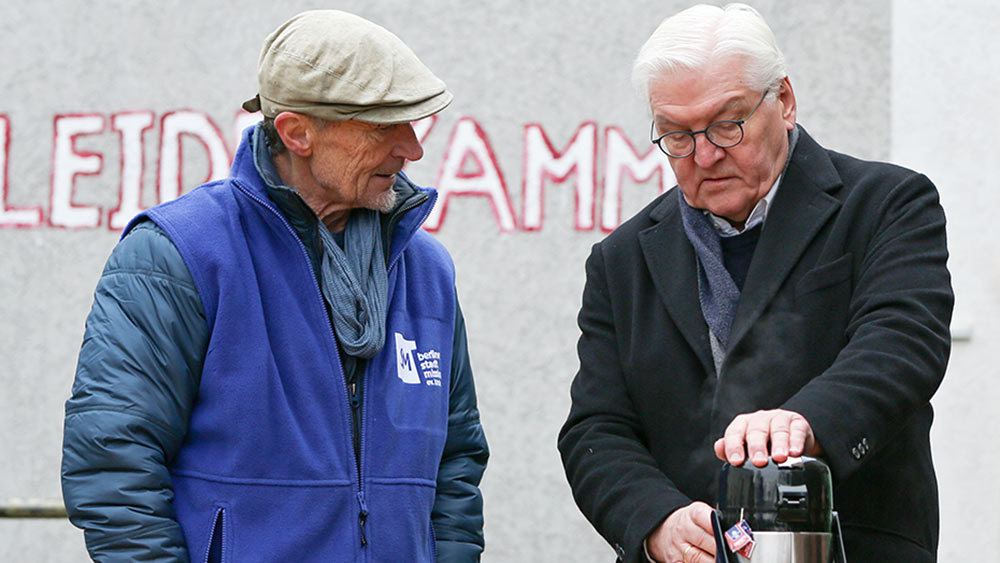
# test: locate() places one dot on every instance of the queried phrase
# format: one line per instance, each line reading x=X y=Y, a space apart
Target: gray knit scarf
x=355 y=283
x=717 y=291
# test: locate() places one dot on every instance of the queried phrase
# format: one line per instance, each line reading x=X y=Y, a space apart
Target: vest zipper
x=355 y=390
x=353 y=396
x=217 y=527
x=362 y=517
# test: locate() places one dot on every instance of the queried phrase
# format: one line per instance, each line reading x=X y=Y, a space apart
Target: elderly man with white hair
x=275 y=367
x=782 y=300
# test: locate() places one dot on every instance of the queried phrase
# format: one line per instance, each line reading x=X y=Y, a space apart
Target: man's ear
x=296 y=131
x=787 y=98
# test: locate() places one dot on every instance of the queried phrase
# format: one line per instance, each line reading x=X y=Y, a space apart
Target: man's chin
x=384 y=202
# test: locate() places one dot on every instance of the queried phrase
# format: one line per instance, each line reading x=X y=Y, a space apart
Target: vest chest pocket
x=407 y=398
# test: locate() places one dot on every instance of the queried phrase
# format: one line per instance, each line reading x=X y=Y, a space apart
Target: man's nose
x=407 y=144
x=705 y=153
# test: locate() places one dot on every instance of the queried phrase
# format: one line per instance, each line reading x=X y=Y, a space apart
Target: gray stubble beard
x=384 y=202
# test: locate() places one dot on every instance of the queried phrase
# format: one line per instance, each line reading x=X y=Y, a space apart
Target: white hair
x=692 y=38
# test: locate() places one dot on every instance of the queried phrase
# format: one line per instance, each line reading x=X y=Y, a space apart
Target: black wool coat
x=843 y=318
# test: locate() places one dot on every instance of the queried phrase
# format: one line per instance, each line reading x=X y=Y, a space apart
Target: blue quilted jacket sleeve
x=458 y=505
x=136 y=380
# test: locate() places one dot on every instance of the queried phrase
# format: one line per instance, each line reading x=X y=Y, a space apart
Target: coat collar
x=801 y=207
x=672 y=266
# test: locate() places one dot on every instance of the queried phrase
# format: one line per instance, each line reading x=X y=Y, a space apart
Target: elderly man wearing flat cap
x=275 y=367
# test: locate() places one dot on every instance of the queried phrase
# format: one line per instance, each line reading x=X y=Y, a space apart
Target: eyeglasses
x=723 y=134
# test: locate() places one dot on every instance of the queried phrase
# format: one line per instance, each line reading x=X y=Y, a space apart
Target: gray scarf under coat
x=717 y=292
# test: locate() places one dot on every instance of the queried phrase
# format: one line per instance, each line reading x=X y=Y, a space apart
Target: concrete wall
x=945 y=76
x=94 y=91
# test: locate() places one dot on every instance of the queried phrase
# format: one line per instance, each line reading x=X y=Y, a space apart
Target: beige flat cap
x=338 y=66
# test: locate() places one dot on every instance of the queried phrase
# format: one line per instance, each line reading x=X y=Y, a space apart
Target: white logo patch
x=412 y=364
x=405 y=366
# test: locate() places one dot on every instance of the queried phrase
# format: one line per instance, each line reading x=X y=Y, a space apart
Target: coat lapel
x=800 y=209
x=671 y=264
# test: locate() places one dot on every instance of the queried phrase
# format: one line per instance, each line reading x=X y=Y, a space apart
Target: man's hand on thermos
x=787 y=432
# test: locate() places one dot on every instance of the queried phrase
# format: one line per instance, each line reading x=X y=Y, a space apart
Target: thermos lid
x=793 y=496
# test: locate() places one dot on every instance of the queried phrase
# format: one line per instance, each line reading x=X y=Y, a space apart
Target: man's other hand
x=788 y=433
x=685 y=536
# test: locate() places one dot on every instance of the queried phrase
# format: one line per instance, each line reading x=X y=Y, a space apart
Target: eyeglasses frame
x=694 y=141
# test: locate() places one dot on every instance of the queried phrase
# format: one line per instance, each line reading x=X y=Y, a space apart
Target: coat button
x=856 y=452
x=620 y=551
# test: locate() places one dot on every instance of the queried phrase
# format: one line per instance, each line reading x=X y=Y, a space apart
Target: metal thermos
x=785 y=511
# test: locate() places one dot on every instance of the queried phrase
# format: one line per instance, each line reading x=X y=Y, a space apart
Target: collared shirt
x=756 y=217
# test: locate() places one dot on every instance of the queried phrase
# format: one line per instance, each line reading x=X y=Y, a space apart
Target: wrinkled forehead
x=715 y=77
x=715 y=88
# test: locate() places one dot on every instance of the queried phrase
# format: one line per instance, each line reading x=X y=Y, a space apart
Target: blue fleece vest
x=268 y=462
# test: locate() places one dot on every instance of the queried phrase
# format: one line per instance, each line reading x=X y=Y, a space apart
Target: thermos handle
x=721 y=549
x=838 y=541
